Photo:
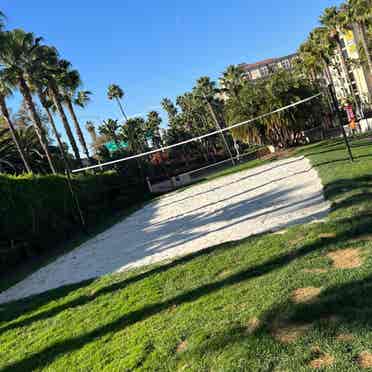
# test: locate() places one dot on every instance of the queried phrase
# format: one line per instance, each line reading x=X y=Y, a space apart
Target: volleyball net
x=219 y=131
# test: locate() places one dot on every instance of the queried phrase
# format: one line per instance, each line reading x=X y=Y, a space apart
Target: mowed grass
x=235 y=307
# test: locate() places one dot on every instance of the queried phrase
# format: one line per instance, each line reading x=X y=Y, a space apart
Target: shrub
x=37 y=211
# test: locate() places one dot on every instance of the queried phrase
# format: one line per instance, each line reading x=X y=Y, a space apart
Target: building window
x=264 y=71
x=286 y=64
x=255 y=74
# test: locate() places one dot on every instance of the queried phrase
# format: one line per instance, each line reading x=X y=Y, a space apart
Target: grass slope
x=228 y=308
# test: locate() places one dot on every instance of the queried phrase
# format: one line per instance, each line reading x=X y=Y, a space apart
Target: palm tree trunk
x=78 y=128
x=327 y=70
x=121 y=109
x=346 y=72
x=57 y=102
x=363 y=35
x=13 y=132
x=25 y=90
x=55 y=132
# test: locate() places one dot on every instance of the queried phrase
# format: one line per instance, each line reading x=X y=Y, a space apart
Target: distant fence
x=365 y=125
x=320 y=133
x=187 y=178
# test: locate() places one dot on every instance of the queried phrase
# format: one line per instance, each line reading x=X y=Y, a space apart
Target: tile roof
x=268 y=61
x=250 y=66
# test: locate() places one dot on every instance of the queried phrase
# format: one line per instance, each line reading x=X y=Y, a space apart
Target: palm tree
x=134 y=134
x=315 y=54
x=115 y=92
x=152 y=128
x=38 y=84
x=69 y=84
x=323 y=48
x=48 y=106
x=5 y=91
x=232 y=80
x=89 y=126
x=169 y=107
x=308 y=60
x=205 y=88
x=109 y=128
x=82 y=98
x=360 y=11
x=54 y=74
x=8 y=157
x=2 y=21
x=331 y=20
x=19 y=58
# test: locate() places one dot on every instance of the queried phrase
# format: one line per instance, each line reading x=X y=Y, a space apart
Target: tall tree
x=322 y=47
x=69 y=83
x=232 y=80
x=116 y=93
x=19 y=58
x=169 y=107
x=38 y=83
x=133 y=132
x=82 y=98
x=48 y=105
x=206 y=89
x=331 y=20
x=89 y=126
x=2 y=21
x=5 y=91
x=54 y=71
x=315 y=55
x=360 y=11
x=152 y=128
x=110 y=128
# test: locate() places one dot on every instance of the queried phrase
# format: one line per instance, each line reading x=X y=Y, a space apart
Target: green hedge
x=37 y=212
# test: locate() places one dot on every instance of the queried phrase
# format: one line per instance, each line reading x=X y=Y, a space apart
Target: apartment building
x=354 y=80
x=266 y=67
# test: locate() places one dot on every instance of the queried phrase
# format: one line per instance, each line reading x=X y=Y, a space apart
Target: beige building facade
x=266 y=67
x=355 y=79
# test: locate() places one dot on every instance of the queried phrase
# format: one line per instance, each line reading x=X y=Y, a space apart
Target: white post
x=149 y=184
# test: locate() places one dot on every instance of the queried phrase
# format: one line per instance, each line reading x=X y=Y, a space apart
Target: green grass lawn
x=228 y=308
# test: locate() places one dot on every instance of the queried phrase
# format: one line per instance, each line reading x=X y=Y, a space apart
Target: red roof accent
x=249 y=66
x=269 y=61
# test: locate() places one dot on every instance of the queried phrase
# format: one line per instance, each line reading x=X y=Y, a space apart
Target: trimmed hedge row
x=37 y=212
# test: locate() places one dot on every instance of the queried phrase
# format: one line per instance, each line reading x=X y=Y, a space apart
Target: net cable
x=219 y=131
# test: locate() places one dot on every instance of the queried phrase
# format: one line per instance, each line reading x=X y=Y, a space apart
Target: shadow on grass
x=351 y=229
x=337 y=145
x=17 y=308
x=340 y=309
x=339 y=160
x=354 y=201
x=362 y=193
x=344 y=308
x=350 y=303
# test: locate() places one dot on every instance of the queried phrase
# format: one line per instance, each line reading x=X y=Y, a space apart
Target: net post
x=218 y=126
x=149 y=184
x=338 y=113
x=75 y=198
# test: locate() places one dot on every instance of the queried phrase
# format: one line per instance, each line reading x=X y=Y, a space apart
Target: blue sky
x=155 y=49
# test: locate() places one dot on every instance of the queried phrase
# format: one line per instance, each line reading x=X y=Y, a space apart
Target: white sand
x=265 y=198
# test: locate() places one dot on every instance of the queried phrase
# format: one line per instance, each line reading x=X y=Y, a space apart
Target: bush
x=37 y=212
